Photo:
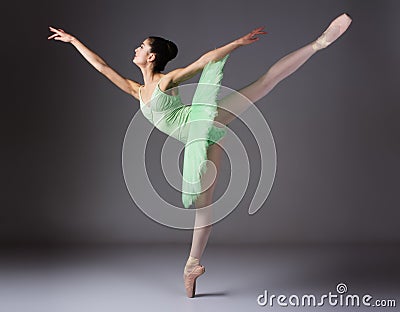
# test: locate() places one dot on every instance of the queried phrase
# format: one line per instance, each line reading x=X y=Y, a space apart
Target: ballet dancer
x=151 y=57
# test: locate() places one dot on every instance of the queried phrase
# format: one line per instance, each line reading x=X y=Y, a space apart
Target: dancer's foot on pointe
x=333 y=32
x=192 y=271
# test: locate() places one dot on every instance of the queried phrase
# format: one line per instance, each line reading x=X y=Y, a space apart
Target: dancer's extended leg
x=234 y=104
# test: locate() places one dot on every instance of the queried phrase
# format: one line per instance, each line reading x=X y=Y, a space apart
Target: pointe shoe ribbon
x=190 y=280
x=333 y=32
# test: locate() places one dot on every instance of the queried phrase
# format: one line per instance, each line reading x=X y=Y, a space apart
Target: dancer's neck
x=150 y=77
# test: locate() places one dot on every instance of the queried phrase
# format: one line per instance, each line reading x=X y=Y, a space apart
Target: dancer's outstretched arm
x=181 y=74
x=129 y=86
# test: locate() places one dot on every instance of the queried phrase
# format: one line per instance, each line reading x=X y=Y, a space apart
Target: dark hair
x=165 y=51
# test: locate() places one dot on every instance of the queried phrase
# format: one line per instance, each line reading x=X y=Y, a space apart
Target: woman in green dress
x=151 y=57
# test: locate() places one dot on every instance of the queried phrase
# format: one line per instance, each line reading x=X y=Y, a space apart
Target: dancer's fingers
x=54 y=30
x=259 y=32
x=52 y=36
x=258 y=29
x=252 y=36
x=58 y=31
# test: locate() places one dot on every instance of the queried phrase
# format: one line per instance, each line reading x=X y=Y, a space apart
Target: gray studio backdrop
x=335 y=121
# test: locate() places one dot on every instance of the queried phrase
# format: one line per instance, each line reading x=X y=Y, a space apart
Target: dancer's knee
x=269 y=80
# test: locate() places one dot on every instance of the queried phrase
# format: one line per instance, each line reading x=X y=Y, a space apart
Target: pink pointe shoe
x=333 y=32
x=190 y=280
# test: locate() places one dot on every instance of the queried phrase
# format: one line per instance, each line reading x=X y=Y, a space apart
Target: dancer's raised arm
x=182 y=74
x=129 y=86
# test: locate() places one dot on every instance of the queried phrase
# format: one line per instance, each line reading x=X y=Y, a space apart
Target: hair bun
x=165 y=51
x=172 y=49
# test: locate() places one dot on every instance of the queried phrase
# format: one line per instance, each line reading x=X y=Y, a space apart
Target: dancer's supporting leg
x=204 y=216
x=234 y=104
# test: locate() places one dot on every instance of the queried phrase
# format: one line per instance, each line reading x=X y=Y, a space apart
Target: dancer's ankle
x=328 y=37
x=191 y=263
x=318 y=45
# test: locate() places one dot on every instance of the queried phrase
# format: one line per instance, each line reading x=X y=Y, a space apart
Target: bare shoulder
x=167 y=82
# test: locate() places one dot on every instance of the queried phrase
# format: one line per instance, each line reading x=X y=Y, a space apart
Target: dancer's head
x=155 y=51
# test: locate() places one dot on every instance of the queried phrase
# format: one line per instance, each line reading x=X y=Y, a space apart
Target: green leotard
x=190 y=124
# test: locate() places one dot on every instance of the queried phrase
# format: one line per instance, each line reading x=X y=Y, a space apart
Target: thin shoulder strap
x=140 y=93
x=158 y=83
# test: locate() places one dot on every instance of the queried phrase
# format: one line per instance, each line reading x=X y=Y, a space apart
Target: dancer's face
x=142 y=53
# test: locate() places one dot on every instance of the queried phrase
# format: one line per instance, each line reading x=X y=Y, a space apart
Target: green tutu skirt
x=202 y=133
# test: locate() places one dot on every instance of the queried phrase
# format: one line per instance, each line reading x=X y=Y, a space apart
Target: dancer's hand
x=61 y=35
x=249 y=38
